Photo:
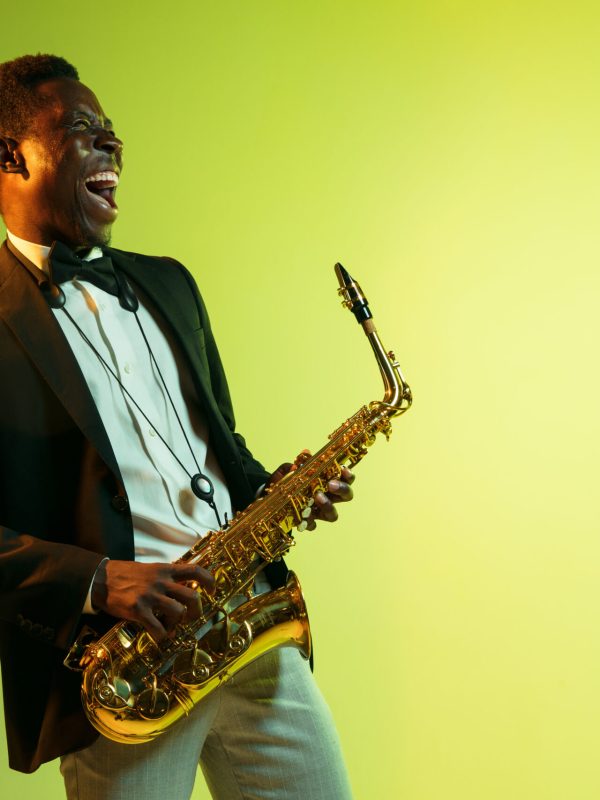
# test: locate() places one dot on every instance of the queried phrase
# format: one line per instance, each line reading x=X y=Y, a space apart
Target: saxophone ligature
x=134 y=688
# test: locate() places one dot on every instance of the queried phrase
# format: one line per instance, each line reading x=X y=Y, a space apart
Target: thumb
x=281 y=470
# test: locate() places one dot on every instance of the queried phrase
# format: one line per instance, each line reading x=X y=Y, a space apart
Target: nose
x=108 y=142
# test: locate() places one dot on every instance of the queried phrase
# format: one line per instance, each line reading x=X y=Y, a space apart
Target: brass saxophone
x=132 y=688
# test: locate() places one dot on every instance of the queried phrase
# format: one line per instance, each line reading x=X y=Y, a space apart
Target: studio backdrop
x=447 y=154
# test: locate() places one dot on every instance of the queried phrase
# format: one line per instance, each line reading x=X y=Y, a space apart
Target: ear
x=11 y=158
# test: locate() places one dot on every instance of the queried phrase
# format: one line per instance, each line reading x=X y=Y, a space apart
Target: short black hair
x=18 y=79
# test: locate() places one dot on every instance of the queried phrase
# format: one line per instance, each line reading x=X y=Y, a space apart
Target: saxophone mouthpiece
x=352 y=294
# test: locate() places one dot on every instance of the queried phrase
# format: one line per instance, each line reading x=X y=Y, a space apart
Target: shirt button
x=127 y=368
x=152 y=432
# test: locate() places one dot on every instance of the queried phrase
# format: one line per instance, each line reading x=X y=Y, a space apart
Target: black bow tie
x=65 y=266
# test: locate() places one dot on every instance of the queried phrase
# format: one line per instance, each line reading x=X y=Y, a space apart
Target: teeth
x=109 y=177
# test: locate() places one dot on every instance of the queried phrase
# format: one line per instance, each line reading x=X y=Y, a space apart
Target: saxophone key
x=152 y=703
x=109 y=694
x=192 y=667
x=236 y=644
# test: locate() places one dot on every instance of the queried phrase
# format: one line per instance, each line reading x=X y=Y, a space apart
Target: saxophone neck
x=397 y=397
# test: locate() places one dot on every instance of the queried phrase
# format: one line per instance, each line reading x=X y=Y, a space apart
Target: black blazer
x=62 y=501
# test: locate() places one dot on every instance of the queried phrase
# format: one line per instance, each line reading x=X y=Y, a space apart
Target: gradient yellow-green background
x=448 y=154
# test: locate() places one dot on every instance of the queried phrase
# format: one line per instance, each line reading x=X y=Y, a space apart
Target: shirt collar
x=38 y=253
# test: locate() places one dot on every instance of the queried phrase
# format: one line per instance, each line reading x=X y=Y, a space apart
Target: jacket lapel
x=161 y=294
x=178 y=312
x=25 y=310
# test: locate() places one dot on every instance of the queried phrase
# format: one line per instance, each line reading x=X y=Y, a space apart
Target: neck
x=28 y=231
x=38 y=253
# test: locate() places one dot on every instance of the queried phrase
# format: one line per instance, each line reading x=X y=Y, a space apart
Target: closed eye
x=86 y=124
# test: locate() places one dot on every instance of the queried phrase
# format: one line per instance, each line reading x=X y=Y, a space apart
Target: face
x=73 y=163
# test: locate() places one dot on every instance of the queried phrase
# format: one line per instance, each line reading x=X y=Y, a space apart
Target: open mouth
x=103 y=185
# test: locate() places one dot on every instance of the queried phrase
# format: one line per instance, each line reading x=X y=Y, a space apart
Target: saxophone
x=132 y=688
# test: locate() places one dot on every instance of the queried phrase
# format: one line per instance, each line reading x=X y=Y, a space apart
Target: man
x=109 y=411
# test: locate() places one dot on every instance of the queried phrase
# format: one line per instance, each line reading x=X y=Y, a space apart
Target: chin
x=84 y=239
x=100 y=239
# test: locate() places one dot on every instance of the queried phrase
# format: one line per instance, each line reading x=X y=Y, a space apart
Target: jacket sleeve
x=255 y=471
x=43 y=585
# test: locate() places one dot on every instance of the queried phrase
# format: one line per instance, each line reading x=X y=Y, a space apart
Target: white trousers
x=267 y=733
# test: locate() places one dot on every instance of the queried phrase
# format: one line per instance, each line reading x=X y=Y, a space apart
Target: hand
x=339 y=491
x=151 y=594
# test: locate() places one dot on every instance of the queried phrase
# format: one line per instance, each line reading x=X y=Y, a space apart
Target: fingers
x=301 y=458
x=163 y=618
x=324 y=508
x=151 y=594
x=187 y=598
x=347 y=475
x=283 y=469
x=176 y=602
x=152 y=625
x=279 y=473
x=339 y=491
x=161 y=613
x=192 y=572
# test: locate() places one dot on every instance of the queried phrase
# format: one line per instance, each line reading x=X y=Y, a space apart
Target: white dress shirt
x=167 y=516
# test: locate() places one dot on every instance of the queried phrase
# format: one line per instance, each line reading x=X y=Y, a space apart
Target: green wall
x=447 y=153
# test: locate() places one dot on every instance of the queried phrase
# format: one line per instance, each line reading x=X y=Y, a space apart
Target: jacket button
x=120 y=502
x=48 y=634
